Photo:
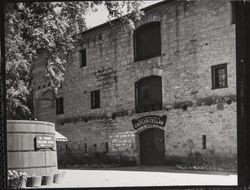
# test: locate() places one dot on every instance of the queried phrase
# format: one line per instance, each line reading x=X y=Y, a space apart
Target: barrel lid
x=30 y=122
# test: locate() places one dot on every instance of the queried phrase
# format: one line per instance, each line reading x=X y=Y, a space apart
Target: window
x=232 y=12
x=148 y=94
x=83 y=58
x=204 y=142
x=59 y=106
x=106 y=147
x=95 y=99
x=219 y=76
x=85 y=148
x=147 y=41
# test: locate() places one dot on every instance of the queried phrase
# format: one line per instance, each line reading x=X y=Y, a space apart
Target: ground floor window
x=95 y=99
x=59 y=106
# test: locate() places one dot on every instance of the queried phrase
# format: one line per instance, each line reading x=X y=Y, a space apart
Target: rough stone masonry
x=201 y=120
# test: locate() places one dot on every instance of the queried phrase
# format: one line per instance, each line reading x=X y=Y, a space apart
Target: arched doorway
x=152 y=148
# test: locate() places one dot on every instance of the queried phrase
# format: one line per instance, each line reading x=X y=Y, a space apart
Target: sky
x=100 y=17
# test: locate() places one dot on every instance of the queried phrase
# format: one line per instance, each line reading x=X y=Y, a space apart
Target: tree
x=48 y=28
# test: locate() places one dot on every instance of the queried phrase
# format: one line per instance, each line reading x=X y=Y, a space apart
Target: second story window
x=219 y=76
x=147 y=41
x=59 y=106
x=95 y=99
x=83 y=58
x=148 y=94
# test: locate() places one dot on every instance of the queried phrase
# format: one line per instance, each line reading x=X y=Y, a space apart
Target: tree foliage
x=48 y=28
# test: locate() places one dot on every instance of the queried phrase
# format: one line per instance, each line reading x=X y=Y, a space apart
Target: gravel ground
x=122 y=177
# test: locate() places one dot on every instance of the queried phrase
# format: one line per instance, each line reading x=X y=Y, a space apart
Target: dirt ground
x=142 y=176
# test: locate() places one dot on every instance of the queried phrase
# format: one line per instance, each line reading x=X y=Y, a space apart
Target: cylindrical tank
x=24 y=152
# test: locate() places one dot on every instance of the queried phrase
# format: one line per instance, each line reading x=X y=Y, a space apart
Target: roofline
x=115 y=20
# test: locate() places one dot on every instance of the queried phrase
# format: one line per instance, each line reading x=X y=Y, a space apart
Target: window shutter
x=83 y=58
x=147 y=41
x=148 y=94
x=95 y=99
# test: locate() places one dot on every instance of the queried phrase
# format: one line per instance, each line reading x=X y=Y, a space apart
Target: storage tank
x=31 y=147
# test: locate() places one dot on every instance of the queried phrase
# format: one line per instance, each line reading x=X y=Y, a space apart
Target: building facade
x=159 y=94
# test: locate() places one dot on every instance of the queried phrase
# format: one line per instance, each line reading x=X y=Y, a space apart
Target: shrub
x=197 y=159
x=101 y=159
x=127 y=160
x=223 y=163
x=75 y=160
x=16 y=179
x=194 y=161
x=174 y=160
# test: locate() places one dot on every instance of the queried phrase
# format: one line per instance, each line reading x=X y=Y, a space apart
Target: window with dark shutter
x=59 y=106
x=219 y=76
x=95 y=99
x=83 y=58
x=106 y=147
x=148 y=94
x=85 y=148
x=204 y=142
x=147 y=41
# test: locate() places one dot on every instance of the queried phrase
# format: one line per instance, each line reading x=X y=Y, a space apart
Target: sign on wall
x=150 y=119
x=44 y=142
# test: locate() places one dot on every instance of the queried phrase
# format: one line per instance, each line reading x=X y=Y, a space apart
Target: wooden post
x=243 y=90
x=3 y=126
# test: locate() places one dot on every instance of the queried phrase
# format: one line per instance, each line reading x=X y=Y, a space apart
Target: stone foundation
x=183 y=136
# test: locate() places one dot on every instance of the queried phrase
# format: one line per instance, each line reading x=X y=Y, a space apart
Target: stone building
x=160 y=94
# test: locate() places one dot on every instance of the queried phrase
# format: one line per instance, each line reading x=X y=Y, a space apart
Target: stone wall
x=195 y=35
x=191 y=43
x=183 y=133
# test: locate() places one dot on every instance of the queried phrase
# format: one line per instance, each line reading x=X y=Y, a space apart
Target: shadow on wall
x=97 y=159
x=207 y=161
x=193 y=161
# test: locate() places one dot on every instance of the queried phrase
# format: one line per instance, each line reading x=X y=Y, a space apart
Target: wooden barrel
x=24 y=150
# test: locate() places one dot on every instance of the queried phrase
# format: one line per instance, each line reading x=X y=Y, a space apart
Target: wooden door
x=152 y=148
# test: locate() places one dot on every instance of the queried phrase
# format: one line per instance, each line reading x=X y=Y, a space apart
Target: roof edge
x=116 y=19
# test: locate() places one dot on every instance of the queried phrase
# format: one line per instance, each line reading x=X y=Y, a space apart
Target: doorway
x=152 y=147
